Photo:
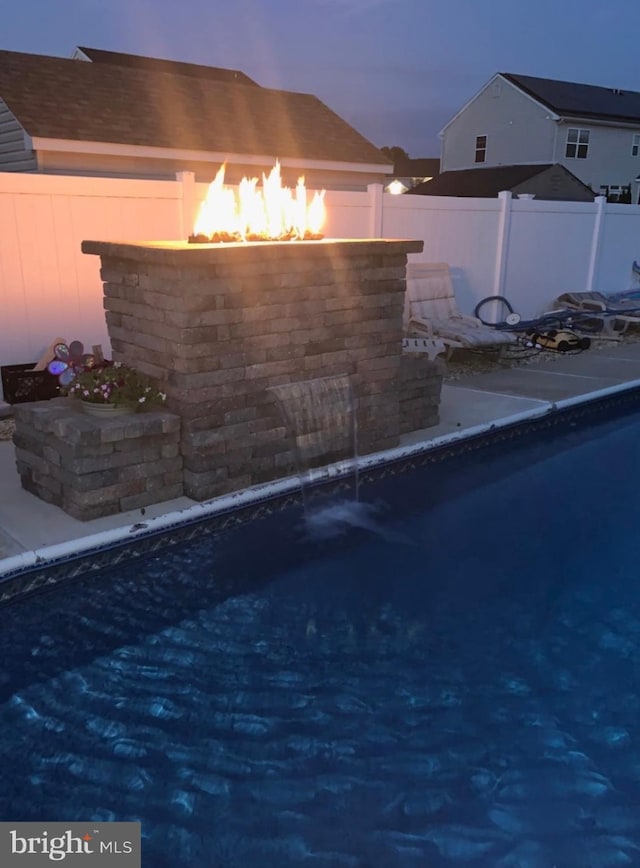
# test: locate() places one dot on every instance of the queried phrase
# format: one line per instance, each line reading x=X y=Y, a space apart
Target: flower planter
x=113 y=389
x=106 y=411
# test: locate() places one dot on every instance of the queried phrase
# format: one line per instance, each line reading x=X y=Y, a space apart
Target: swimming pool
x=456 y=684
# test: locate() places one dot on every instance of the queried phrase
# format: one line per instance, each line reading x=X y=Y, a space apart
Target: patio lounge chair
x=431 y=313
x=615 y=313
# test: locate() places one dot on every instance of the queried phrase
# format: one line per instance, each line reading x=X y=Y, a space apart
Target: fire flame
x=273 y=212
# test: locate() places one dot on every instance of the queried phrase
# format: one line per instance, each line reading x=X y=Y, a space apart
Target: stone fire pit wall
x=219 y=325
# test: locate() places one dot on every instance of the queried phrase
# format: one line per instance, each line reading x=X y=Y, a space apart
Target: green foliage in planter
x=118 y=384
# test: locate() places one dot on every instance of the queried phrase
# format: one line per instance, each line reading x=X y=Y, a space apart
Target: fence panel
x=14 y=322
x=619 y=248
x=47 y=286
x=549 y=252
x=462 y=232
x=348 y=215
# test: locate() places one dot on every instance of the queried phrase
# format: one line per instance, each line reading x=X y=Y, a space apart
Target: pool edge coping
x=22 y=563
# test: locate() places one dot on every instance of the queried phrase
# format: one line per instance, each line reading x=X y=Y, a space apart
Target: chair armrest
x=592 y=304
x=422 y=325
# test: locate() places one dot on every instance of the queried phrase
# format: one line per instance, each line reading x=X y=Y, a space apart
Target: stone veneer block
x=220 y=324
x=92 y=467
x=420 y=388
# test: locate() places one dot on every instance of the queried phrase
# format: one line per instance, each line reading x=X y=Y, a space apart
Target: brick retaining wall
x=93 y=467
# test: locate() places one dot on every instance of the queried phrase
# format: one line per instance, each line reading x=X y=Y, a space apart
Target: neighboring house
x=408 y=173
x=109 y=114
x=593 y=131
x=549 y=182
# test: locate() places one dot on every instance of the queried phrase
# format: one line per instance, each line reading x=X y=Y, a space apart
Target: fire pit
x=221 y=324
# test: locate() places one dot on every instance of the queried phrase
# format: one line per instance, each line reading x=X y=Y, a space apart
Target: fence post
x=596 y=240
x=187 y=206
x=375 y=210
x=502 y=248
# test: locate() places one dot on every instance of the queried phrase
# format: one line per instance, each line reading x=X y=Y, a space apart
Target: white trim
x=577 y=143
x=476 y=149
x=78 y=54
x=554 y=154
x=598 y=122
x=596 y=239
x=41 y=184
x=592 y=396
x=499 y=75
x=141 y=151
x=502 y=249
x=501 y=166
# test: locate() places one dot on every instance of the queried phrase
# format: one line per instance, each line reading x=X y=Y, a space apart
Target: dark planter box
x=20 y=383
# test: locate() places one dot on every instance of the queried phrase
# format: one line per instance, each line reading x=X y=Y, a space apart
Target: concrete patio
x=470 y=404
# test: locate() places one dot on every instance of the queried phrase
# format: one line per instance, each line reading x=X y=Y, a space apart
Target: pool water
x=457 y=683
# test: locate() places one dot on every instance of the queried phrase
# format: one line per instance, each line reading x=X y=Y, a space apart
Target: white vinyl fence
x=529 y=251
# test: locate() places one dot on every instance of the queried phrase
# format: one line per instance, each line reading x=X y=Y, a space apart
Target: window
x=481 y=149
x=635 y=146
x=620 y=193
x=577 y=144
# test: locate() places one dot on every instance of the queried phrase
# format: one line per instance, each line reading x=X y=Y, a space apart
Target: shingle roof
x=101 y=102
x=580 y=100
x=421 y=167
x=485 y=182
x=137 y=61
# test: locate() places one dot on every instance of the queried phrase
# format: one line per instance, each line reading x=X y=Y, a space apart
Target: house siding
x=518 y=130
x=14 y=157
x=609 y=159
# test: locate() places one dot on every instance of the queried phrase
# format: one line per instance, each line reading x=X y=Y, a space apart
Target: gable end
x=14 y=156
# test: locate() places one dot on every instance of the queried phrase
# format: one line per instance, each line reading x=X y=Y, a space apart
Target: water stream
x=321 y=420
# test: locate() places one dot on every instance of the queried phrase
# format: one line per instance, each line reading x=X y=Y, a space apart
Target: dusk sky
x=397 y=70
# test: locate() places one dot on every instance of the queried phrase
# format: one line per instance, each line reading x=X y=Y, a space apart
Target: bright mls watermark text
x=105 y=845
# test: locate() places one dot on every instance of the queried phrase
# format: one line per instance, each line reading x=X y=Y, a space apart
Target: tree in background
x=395 y=154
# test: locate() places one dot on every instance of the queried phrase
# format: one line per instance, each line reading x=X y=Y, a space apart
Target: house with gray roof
x=105 y=113
x=519 y=119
